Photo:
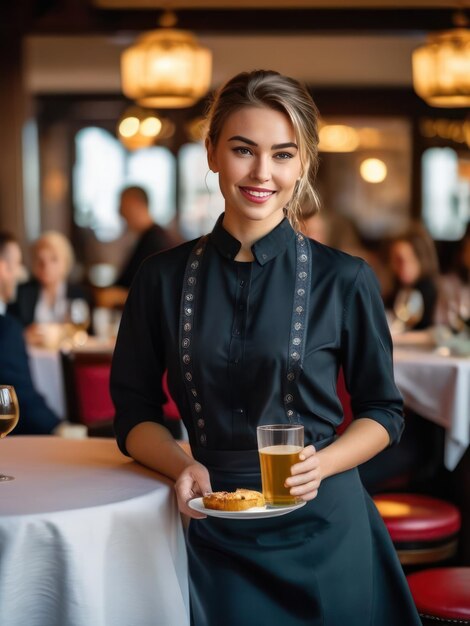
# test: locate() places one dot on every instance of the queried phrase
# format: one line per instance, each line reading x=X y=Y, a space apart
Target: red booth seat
x=442 y=593
x=413 y=517
x=423 y=529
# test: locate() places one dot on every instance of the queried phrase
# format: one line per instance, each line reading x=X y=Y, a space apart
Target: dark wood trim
x=79 y=17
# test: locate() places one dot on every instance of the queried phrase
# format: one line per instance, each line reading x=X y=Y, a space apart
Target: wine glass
x=79 y=318
x=9 y=415
x=409 y=307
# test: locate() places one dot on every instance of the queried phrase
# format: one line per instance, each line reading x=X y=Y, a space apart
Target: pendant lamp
x=166 y=68
x=441 y=67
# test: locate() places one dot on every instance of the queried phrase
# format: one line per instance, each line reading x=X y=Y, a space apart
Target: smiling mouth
x=257 y=193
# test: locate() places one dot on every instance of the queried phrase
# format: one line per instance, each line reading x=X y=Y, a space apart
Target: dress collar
x=3 y=308
x=264 y=250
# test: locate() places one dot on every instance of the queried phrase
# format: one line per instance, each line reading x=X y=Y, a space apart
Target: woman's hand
x=193 y=482
x=305 y=476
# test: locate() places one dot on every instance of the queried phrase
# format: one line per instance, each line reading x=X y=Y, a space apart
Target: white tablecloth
x=48 y=378
x=438 y=388
x=87 y=538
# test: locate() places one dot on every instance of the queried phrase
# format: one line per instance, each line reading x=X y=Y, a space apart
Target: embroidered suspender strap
x=299 y=323
x=187 y=310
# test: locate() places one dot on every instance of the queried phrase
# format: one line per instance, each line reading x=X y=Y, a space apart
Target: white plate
x=254 y=513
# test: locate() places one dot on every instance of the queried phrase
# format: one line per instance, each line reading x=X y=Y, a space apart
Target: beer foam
x=281 y=449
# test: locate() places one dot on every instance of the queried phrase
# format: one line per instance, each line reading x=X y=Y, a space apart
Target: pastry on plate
x=239 y=500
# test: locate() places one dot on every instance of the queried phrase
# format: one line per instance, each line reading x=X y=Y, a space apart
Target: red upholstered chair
x=86 y=377
x=423 y=529
x=442 y=596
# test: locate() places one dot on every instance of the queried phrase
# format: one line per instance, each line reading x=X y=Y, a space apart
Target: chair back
x=86 y=377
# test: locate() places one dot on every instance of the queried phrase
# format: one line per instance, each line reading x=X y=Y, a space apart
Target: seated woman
x=454 y=289
x=412 y=261
x=46 y=297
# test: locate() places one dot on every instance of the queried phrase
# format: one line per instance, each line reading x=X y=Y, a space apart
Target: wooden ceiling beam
x=69 y=17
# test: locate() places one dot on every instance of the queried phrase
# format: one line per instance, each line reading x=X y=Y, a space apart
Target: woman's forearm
x=153 y=445
x=362 y=440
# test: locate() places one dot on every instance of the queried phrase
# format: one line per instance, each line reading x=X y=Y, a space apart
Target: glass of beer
x=279 y=446
x=9 y=414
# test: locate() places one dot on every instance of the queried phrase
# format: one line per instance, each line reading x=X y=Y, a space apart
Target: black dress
x=257 y=343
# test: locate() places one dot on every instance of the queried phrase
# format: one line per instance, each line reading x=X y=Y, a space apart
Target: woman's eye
x=284 y=155
x=242 y=150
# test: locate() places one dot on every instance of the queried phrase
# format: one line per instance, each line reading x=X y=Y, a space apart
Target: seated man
x=35 y=416
x=151 y=238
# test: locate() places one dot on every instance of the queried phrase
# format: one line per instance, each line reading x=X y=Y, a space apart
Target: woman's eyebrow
x=278 y=146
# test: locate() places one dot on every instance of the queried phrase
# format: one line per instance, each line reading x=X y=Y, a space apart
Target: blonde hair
x=59 y=243
x=265 y=88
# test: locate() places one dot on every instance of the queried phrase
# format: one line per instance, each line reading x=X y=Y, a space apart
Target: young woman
x=253 y=323
x=413 y=262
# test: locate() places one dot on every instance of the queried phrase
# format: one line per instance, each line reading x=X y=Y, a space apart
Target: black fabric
x=155 y=239
x=28 y=295
x=241 y=342
x=331 y=562
x=35 y=416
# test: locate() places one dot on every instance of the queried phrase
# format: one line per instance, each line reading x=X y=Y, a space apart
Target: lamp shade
x=166 y=68
x=441 y=69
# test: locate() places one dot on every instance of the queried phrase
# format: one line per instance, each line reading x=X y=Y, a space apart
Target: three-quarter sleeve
x=139 y=358
x=367 y=356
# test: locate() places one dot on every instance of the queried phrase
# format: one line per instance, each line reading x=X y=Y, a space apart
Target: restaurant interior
x=89 y=107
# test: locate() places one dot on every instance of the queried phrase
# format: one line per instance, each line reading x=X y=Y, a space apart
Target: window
x=446 y=192
x=103 y=167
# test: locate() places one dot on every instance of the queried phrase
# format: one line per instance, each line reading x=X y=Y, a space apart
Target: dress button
x=239 y=411
x=201 y=423
x=203 y=439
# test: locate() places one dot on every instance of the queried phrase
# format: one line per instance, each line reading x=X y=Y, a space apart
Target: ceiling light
x=373 y=170
x=338 y=138
x=166 y=68
x=441 y=68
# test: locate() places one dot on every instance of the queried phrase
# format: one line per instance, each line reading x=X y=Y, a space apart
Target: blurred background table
x=87 y=537
x=438 y=388
x=47 y=371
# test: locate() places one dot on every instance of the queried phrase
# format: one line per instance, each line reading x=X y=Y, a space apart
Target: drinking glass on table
x=79 y=319
x=9 y=415
x=279 y=446
x=409 y=307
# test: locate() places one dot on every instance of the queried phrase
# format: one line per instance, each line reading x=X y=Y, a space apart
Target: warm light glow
x=393 y=509
x=338 y=138
x=150 y=126
x=166 y=68
x=138 y=128
x=441 y=69
x=129 y=126
x=373 y=170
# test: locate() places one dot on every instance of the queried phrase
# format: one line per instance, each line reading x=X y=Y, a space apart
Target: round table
x=87 y=537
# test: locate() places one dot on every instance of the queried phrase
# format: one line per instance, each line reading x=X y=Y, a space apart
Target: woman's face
x=258 y=162
x=404 y=263
x=49 y=266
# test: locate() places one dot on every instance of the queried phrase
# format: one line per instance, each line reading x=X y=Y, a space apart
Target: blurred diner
x=36 y=418
x=49 y=297
x=413 y=264
x=454 y=289
x=151 y=238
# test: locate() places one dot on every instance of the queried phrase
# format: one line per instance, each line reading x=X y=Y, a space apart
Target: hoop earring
x=205 y=181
